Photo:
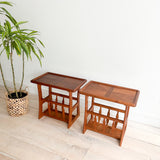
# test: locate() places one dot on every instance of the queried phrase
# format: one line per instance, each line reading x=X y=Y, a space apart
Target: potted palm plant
x=24 y=43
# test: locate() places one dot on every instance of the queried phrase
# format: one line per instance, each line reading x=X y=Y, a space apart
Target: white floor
x=27 y=138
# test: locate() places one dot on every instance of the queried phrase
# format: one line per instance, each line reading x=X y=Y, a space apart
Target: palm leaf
x=41 y=43
x=19 y=23
x=40 y=52
x=9 y=16
x=6 y=47
x=4 y=35
x=29 y=48
x=33 y=50
x=14 y=46
x=32 y=33
x=25 y=48
x=17 y=46
x=6 y=3
x=8 y=26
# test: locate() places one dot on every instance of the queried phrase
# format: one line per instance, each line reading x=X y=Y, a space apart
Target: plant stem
x=22 y=74
x=4 y=82
x=14 y=83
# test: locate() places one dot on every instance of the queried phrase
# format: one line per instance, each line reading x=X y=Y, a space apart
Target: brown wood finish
x=85 y=114
x=59 y=81
x=122 y=95
x=62 y=82
x=40 y=115
x=107 y=124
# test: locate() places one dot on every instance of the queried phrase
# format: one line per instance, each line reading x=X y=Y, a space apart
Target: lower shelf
x=58 y=116
x=106 y=130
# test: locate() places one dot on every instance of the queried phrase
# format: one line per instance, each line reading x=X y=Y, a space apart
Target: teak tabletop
x=59 y=81
x=112 y=93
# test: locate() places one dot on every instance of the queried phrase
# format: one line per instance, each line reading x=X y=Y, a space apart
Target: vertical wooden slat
x=104 y=121
x=99 y=117
x=63 y=112
x=95 y=119
x=92 y=105
x=40 y=101
x=70 y=110
x=56 y=112
x=113 y=125
x=104 y=124
x=50 y=98
x=78 y=101
x=85 y=114
x=108 y=114
x=117 y=116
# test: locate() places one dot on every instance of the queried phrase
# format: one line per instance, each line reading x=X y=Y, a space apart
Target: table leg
x=50 y=98
x=40 y=101
x=63 y=110
x=78 y=101
x=92 y=107
x=70 y=110
x=85 y=114
x=124 y=124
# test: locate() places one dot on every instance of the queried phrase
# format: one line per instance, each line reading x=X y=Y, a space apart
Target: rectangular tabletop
x=59 y=81
x=122 y=95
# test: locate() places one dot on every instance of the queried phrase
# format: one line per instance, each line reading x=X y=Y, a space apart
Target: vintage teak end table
x=60 y=106
x=105 y=119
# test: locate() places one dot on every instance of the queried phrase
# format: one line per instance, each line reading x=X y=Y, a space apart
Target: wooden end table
x=57 y=107
x=106 y=119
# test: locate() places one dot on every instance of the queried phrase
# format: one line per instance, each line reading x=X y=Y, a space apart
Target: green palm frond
x=14 y=40
x=6 y=3
x=7 y=14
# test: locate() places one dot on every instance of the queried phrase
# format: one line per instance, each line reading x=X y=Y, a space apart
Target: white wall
x=113 y=41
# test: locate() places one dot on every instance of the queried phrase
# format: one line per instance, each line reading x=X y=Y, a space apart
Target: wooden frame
x=62 y=82
x=100 y=122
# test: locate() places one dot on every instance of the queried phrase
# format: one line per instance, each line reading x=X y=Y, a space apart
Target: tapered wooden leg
x=92 y=107
x=78 y=101
x=117 y=115
x=85 y=114
x=70 y=110
x=125 y=124
x=127 y=116
x=56 y=110
x=40 y=101
x=49 y=104
x=63 y=110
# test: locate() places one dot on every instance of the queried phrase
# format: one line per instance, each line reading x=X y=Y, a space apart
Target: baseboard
x=145 y=118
